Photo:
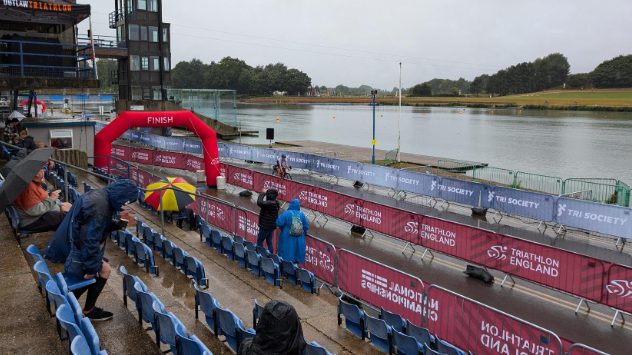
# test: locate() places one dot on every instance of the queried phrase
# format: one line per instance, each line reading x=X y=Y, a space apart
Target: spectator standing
x=11 y=130
x=268 y=215
x=80 y=240
x=38 y=211
x=294 y=226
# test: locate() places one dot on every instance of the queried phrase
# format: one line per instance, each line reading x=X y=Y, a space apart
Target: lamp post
x=373 y=92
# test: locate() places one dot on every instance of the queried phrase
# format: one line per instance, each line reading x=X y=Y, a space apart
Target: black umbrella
x=22 y=175
x=6 y=169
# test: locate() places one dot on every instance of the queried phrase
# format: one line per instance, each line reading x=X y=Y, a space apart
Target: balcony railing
x=102 y=42
x=17 y=59
x=116 y=16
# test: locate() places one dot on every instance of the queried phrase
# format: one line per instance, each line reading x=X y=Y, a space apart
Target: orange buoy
x=460 y=112
x=381 y=115
x=334 y=117
x=519 y=111
x=492 y=112
x=277 y=118
x=423 y=114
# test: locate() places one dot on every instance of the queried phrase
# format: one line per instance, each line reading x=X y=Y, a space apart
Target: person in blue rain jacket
x=292 y=248
x=88 y=224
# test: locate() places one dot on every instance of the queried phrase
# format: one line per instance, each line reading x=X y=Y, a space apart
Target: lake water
x=557 y=143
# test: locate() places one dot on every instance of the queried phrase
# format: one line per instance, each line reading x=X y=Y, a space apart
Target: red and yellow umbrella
x=175 y=199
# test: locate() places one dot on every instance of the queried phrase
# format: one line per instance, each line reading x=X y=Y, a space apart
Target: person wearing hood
x=267 y=217
x=80 y=240
x=27 y=141
x=279 y=332
x=294 y=226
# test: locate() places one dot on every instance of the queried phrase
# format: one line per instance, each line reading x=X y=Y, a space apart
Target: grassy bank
x=579 y=100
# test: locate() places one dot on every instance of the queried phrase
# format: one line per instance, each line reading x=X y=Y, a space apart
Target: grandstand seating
x=194 y=267
x=256 y=312
x=204 y=301
x=314 y=348
x=379 y=333
x=422 y=335
x=354 y=318
x=394 y=320
x=406 y=345
x=271 y=271
x=229 y=325
x=306 y=279
x=168 y=327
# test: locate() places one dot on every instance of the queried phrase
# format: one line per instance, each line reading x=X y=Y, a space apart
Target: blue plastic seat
x=288 y=269
x=205 y=232
x=262 y=251
x=229 y=325
x=168 y=327
x=179 y=258
x=79 y=346
x=16 y=224
x=354 y=318
x=147 y=300
x=254 y=261
x=64 y=282
x=380 y=333
x=167 y=250
x=216 y=240
x=240 y=253
x=406 y=345
x=159 y=241
x=249 y=245
x=394 y=320
x=271 y=271
x=444 y=347
x=91 y=335
x=314 y=348
x=277 y=259
x=140 y=227
x=306 y=279
x=145 y=256
x=239 y=239
x=67 y=321
x=128 y=287
x=422 y=335
x=227 y=247
x=194 y=267
x=54 y=294
x=147 y=235
x=245 y=334
x=208 y=305
x=256 y=313
x=430 y=351
x=36 y=256
x=192 y=346
x=130 y=243
x=75 y=307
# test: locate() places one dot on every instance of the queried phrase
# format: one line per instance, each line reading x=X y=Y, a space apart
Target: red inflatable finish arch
x=103 y=140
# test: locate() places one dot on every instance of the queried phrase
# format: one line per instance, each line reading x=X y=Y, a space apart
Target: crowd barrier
x=471 y=325
x=608 y=219
x=463 y=322
x=586 y=277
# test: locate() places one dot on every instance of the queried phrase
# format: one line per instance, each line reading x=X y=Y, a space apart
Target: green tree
x=479 y=84
x=225 y=74
x=421 y=90
x=297 y=82
x=454 y=91
x=189 y=75
x=105 y=67
x=323 y=89
x=613 y=73
x=576 y=81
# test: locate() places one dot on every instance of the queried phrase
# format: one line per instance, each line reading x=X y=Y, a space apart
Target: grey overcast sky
x=361 y=42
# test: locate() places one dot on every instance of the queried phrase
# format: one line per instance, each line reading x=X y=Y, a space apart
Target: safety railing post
x=65 y=182
x=21 y=60
x=162 y=214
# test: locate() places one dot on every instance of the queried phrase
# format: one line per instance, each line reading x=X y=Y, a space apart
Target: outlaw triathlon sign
x=43 y=11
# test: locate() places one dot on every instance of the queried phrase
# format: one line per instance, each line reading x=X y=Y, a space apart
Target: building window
x=137 y=93
x=144 y=63
x=146 y=94
x=155 y=63
x=142 y=4
x=134 y=33
x=61 y=138
x=143 y=33
x=153 y=5
x=167 y=67
x=134 y=62
x=119 y=34
x=130 y=7
x=157 y=93
x=165 y=35
x=153 y=34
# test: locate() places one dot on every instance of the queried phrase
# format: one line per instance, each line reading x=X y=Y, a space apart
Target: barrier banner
x=134 y=136
x=157 y=141
x=380 y=285
x=241 y=152
x=119 y=168
x=319 y=258
x=459 y=191
x=195 y=147
x=316 y=199
x=144 y=178
x=517 y=202
x=215 y=213
x=121 y=152
x=297 y=160
x=348 y=209
x=581 y=349
x=483 y=330
x=169 y=160
x=240 y=177
x=247 y=225
x=133 y=170
x=222 y=148
x=264 y=155
x=223 y=169
x=142 y=156
x=174 y=144
x=618 y=288
x=194 y=164
x=327 y=166
x=285 y=188
x=412 y=181
x=608 y=219
x=447 y=237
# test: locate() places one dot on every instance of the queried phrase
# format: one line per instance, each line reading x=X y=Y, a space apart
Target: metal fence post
x=21 y=61
x=162 y=214
x=65 y=182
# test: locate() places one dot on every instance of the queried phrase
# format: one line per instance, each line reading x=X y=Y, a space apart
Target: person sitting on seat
x=282 y=166
x=27 y=141
x=38 y=211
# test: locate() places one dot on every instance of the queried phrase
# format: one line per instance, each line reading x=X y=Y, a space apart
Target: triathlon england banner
x=380 y=285
x=320 y=258
x=483 y=330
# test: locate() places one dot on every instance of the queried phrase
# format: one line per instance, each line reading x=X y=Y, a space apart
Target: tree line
x=545 y=73
x=233 y=73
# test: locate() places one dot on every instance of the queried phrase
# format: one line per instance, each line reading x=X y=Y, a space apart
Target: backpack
x=296 y=228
